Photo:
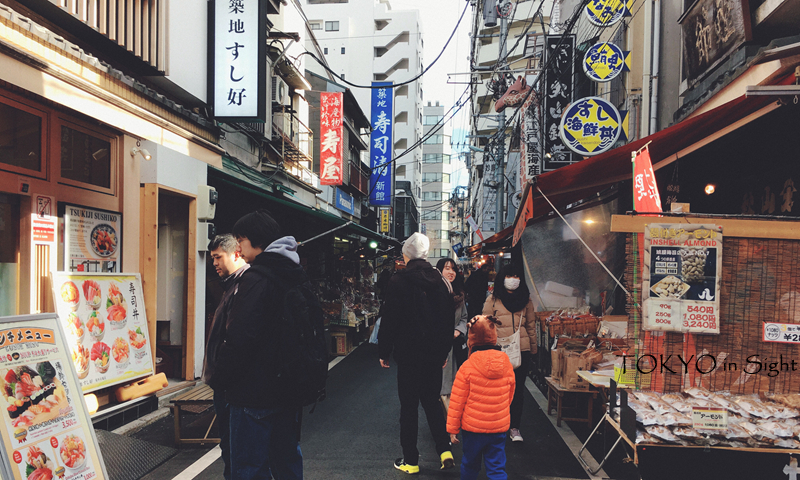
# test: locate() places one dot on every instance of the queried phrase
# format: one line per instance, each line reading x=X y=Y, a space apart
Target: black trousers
x=420 y=384
x=520 y=374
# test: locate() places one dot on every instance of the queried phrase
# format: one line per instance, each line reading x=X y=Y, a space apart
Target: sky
x=439 y=19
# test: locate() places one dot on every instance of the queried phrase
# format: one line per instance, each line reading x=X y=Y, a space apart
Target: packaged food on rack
x=663 y=433
x=778 y=428
x=725 y=402
x=699 y=393
x=791 y=400
x=687 y=433
x=672 y=397
x=755 y=407
x=675 y=419
x=660 y=406
x=699 y=402
x=787 y=443
x=758 y=433
x=735 y=432
x=644 y=437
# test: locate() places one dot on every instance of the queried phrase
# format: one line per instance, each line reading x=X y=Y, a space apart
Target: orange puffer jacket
x=482 y=394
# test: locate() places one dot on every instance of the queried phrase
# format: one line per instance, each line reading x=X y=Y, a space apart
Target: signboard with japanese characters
x=712 y=30
x=381 y=146
x=344 y=202
x=782 y=332
x=590 y=126
x=240 y=60
x=331 y=115
x=603 y=62
x=605 y=13
x=385 y=219
x=558 y=75
x=91 y=239
x=43 y=220
x=106 y=326
x=681 y=280
x=46 y=431
x=530 y=145
x=710 y=418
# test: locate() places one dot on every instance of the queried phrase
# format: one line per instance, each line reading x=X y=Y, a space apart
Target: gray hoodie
x=286 y=246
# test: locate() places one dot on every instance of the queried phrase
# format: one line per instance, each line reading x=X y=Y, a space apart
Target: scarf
x=458 y=299
x=514 y=301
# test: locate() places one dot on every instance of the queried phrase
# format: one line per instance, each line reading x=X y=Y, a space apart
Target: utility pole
x=499 y=174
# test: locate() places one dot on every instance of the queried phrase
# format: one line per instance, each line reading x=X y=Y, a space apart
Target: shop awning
x=497 y=242
x=589 y=177
x=256 y=183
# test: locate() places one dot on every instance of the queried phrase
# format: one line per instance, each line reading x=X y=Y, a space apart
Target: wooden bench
x=201 y=395
x=555 y=397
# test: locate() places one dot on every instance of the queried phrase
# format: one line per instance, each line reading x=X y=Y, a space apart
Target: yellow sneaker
x=401 y=465
x=447 y=460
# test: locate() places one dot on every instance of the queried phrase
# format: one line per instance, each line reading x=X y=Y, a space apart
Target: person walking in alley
x=479 y=405
x=230 y=265
x=264 y=421
x=417 y=330
x=476 y=287
x=458 y=354
x=511 y=304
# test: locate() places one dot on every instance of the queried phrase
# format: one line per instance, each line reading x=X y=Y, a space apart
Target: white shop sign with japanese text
x=46 y=430
x=91 y=239
x=106 y=326
x=239 y=75
x=681 y=278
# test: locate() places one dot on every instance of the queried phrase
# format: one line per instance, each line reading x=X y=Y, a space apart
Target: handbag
x=511 y=345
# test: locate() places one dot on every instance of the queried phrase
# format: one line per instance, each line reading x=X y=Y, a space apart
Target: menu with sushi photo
x=46 y=431
x=106 y=327
x=91 y=239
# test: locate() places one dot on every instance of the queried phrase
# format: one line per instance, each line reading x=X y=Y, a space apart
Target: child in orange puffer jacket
x=480 y=401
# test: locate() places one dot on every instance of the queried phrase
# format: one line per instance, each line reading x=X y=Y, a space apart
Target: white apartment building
x=386 y=49
x=522 y=60
x=436 y=186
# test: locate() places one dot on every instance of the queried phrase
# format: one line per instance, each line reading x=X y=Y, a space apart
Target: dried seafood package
x=663 y=433
x=699 y=393
x=644 y=437
x=673 y=397
x=648 y=417
x=782 y=411
x=687 y=433
x=660 y=406
x=732 y=406
x=754 y=406
x=736 y=432
x=700 y=402
x=758 y=433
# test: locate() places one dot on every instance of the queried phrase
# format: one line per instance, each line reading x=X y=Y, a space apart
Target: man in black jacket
x=229 y=264
x=417 y=329
x=264 y=423
x=476 y=288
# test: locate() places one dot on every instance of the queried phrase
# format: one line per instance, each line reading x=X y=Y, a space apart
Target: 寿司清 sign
x=681 y=281
x=91 y=239
x=106 y=328
x=46 y=430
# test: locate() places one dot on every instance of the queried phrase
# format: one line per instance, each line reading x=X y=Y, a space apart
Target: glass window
x=435 y=215
x=435 y=158
x=331 y=26
x=325 y=50
x=342 y=50
x=20 y=138
x=316 y=26
x=434 y=140
x=9 y=249
x=401 y=171
x=432 y=119
x=85 y=158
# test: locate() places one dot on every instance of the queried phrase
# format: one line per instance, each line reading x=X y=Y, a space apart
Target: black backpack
x=303 y=357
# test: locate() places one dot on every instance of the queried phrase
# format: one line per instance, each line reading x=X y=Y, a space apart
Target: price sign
x=782 y=333
x=666 y=313
x=709 y=418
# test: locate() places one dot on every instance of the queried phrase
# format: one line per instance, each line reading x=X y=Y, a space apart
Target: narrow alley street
x=353 y=434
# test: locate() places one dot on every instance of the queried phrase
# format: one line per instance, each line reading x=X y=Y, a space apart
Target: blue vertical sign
x=381 y=147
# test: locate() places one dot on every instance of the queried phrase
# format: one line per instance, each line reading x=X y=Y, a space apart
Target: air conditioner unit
x=280 y=91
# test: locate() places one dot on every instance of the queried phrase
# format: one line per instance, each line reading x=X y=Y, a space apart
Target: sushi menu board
x=92 y=240
x=106 y=327
x=46 y=431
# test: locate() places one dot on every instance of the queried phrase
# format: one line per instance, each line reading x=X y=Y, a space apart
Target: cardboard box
x=556 y=370
x=341 y=343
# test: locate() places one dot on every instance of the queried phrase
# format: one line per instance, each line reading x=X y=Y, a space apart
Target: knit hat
x=416 y=246
x=482 y=331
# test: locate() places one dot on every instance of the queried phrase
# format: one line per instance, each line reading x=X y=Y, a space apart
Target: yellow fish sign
x=605 y=13
x=590 y=126
x=605 y=61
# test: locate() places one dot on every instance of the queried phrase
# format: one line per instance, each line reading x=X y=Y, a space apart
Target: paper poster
x=682 y=271
x=46 y=432
x=106 y=327
x=91 y=240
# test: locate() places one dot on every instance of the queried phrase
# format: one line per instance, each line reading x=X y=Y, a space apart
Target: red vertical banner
x=645 y=190
x=331 y=113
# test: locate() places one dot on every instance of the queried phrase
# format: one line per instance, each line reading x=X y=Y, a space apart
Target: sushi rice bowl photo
x=73 y=452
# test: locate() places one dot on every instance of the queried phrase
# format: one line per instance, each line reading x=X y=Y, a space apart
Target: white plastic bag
x=373 y=338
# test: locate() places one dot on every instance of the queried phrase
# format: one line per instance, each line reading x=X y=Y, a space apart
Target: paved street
x=354 y=434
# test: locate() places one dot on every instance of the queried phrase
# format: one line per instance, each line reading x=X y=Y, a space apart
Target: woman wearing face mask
x=458 y=354
x=511 y=304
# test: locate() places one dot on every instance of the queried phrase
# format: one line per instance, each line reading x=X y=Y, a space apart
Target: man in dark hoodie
x=230 y=265
x=264 y=423
x=417 y=329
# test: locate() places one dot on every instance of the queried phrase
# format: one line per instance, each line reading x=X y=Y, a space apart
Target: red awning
x=587 y=178
x=494 y=243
